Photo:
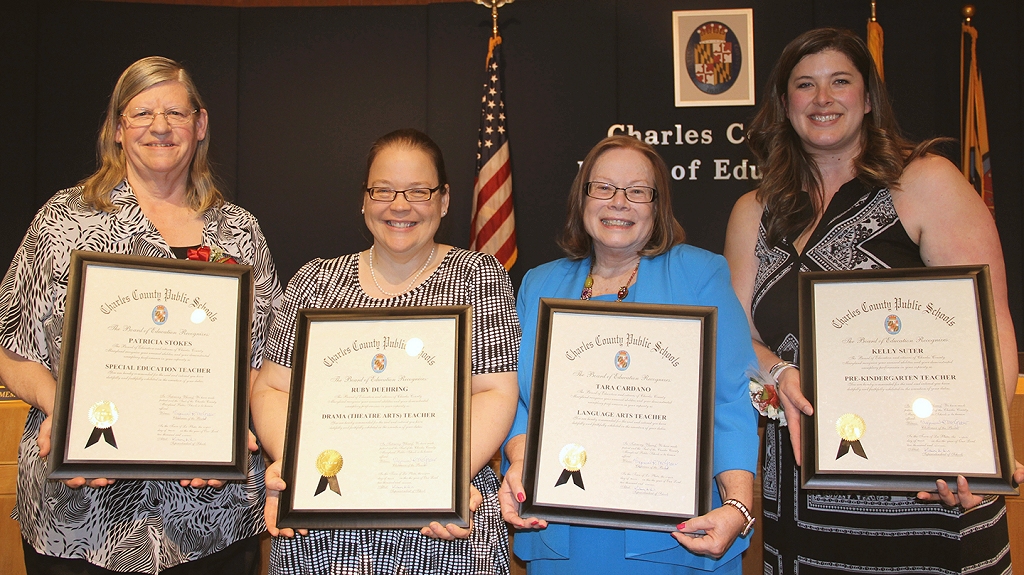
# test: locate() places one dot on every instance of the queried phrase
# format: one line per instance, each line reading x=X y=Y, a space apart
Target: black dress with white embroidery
x=141 y=526
x=819 y=531
x=462 y=278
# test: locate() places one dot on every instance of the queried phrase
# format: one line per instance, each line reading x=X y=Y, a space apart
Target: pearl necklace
x=588 y=284
x=373 y=276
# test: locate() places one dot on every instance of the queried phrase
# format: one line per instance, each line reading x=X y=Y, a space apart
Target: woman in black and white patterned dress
x=153 y=195
x=843 y=190
x=405 y=199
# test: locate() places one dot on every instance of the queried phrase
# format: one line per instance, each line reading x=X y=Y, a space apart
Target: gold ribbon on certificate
x=103 y=415
x=850 y=428
x=573 y=458
x=328 y=463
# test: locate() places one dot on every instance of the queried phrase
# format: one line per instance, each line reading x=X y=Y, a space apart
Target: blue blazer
x=685 y=275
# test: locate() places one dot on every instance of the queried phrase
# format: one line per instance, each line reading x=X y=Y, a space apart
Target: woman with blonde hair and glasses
x=152 y=195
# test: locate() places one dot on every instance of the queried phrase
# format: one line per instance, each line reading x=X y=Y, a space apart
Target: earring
x=444 y=213
x=362 y=211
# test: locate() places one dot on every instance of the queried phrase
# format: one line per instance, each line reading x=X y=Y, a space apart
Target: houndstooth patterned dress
x=463 y=277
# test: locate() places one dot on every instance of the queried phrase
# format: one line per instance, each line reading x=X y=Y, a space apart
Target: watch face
x=747 y=527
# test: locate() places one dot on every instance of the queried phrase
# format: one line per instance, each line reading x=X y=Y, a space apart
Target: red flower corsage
x=210 y=254
x=765 y=397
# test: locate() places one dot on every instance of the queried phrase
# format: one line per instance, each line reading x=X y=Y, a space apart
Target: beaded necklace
x=373 y=276
x=588 y=285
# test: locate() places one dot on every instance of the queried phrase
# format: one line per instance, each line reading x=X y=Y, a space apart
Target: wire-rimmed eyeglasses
x=143 y=117
x=410 y=195
x=635 y=194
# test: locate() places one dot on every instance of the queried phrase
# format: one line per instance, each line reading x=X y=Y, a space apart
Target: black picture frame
x=815 y=474
x=604 y=510
x=79 y=331
x=350 y=514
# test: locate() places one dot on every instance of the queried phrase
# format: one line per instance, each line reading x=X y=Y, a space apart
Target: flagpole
x=967 y=12
x=966 y=124
x=494 y=5
x=976 y=162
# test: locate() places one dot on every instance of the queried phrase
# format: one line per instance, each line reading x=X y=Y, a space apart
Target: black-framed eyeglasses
x=635 y=194
x=144 y=117
x=410 y=195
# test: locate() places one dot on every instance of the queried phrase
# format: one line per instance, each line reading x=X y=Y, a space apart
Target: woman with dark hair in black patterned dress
x=405 y=197
x=842 y=190
x=153 y=195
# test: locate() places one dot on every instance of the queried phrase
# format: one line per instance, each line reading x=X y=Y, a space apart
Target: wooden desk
x=12 y=423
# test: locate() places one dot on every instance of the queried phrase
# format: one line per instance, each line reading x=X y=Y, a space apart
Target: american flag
x=493 y=229
x=975 y=163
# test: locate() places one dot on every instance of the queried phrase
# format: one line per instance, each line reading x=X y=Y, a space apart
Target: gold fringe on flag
x=876 y=42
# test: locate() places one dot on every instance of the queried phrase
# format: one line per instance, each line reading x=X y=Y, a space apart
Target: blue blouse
x=685 y=275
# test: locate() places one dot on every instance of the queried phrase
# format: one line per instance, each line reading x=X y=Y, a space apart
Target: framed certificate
x=378 y=432
x=154 y=370
x=904 y=373
x=621 y=414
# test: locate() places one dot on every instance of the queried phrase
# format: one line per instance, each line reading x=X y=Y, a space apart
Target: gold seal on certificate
x=329 y=463
x=851 y=428
x=573 y=458
x=166 y=341
x=103 y=416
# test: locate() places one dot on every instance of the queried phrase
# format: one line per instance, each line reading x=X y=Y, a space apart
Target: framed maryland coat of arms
x=714 y=57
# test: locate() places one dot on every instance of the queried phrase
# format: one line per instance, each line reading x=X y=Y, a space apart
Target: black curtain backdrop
x=296 y=96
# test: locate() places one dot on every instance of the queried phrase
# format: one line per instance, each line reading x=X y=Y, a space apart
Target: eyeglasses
x=635 y=194
x=144 y=117
x=410 y=195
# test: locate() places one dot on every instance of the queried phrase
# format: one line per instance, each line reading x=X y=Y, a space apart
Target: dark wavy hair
x=788 y=170
x=667 y=232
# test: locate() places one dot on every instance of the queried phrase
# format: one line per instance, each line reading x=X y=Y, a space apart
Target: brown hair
x=788 y=170
x=577 y=243
x=201 y=188
x=409 y=139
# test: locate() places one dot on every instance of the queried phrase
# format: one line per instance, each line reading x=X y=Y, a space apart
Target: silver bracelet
x=780 y=367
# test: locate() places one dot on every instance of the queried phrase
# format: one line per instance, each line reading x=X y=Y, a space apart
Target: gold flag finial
x=494 y=5
x=873 y=17
x=968 y=12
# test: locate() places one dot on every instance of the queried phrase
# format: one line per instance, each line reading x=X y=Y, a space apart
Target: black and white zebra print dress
x=810 y=532
x=463 y=277
x=143 y=526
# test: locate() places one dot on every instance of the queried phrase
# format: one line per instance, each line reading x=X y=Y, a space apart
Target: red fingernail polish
x=520 y=497
x=535 y=522
x=681 y=526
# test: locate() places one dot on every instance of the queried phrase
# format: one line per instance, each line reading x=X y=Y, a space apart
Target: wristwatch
x=746 y=515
